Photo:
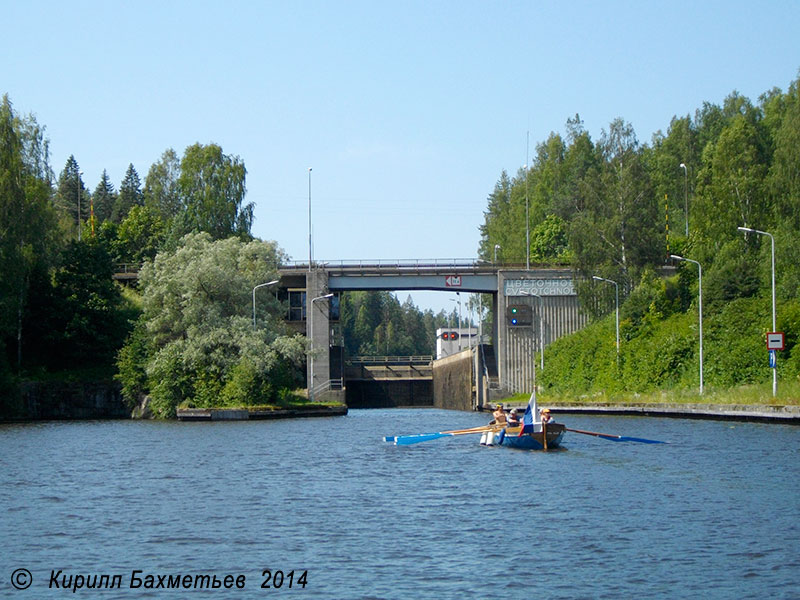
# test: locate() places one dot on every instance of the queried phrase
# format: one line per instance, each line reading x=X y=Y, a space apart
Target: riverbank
x=252 y=414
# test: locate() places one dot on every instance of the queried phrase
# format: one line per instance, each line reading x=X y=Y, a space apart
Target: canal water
x=713 y=514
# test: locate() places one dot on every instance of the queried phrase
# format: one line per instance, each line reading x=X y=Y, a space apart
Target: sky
x=407 y=112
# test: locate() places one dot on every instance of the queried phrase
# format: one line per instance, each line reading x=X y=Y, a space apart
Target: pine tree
x=104 y=198
x=72 y=197
x=130 y=195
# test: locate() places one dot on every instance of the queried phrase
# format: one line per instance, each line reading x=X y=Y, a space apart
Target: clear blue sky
x=407 y=111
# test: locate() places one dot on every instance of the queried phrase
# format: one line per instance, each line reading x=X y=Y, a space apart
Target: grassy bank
x=752 y=395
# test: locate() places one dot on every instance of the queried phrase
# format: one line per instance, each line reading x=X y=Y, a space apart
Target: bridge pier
x=318 y=332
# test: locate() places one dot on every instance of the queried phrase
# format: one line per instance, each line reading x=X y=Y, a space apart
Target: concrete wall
x=452 y=382
x=560 y=314
x=55 y=400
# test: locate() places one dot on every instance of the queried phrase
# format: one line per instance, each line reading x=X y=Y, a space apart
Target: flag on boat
x=531 y=416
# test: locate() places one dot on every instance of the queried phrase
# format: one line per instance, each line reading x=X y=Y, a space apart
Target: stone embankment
x=727 y=412
x=65 y=400
x=243 y=414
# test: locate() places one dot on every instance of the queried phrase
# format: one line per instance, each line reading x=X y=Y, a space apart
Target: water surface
x=714 y=514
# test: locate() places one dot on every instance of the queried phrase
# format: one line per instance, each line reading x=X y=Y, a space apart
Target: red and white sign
x=452 y=281
x=775 y=340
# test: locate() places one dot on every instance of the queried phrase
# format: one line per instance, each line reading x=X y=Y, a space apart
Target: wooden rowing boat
x=510 y=437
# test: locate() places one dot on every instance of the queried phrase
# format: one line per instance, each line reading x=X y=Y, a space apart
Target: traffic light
x=519 y=315
x=450 y=335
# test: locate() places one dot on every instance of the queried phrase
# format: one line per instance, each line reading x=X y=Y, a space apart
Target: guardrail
x=415 y=265
x=377 y=360
x=331 y=384
x=418 y=263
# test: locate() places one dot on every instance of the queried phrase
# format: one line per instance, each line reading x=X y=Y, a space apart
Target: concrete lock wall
x=555 y=311
x=452 y=382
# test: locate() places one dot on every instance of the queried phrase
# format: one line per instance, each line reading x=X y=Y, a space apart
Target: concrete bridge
x=530 y=308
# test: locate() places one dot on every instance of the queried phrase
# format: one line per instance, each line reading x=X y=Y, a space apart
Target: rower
x=499 y=415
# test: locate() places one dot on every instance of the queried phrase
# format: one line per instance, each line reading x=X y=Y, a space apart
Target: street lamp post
x=311 y=342
x=541 y=328
x=616 y=304
x=496 y=248
x=527 y=225
x=273 y=282
x=458 y=303
x=772 y=243
x=310 y=247
x=686 y=195
x=699 y=309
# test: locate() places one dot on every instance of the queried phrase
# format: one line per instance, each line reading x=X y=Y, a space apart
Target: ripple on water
x=716 y=511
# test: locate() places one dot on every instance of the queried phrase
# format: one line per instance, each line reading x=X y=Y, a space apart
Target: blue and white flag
x=531 y=416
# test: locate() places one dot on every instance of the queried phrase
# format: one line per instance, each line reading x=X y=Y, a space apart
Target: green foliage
x=211 y=186
x=161 y=186
x=130 y=195
x=140 y=235
x=28 y=227
x=88 y=317
x=196 y=343
x=72 y=197
x=375 y=323
x=735 y=344
x=132 y=362
x=104 y=198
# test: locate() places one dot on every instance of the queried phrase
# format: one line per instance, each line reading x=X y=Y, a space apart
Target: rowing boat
x=547 y=438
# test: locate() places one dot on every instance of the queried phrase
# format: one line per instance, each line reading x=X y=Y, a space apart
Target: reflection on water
x=712 y=515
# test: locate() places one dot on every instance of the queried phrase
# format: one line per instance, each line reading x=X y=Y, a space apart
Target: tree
x=731 y=188
x=89 y=324
x=200 y=345
x=784 y=172
x=161 y=191
x=130 y=195
x=104 y=198
x=140 y=235
x=27 y=220
x=497 y=229
x=616 y=233
x=212 y=189
x=72 y=197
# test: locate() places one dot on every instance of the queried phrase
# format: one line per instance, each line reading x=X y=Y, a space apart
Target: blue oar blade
x=640 y=440
x=407 y=440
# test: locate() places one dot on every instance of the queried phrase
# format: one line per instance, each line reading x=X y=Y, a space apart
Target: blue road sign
x=772 y=359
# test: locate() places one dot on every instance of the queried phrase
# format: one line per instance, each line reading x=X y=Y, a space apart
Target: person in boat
x=547 y=418
x=499 y=415
x=513 y=418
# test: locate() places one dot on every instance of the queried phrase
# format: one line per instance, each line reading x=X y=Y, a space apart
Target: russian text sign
x=539 y=287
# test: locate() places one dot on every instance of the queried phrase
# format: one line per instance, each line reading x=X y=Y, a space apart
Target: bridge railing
x=379 y=360
x=414 y=263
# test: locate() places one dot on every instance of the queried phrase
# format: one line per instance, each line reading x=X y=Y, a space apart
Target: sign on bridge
x=452 y=281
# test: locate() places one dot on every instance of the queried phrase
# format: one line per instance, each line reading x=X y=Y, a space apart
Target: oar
x=416 y=438
x=616 y=438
